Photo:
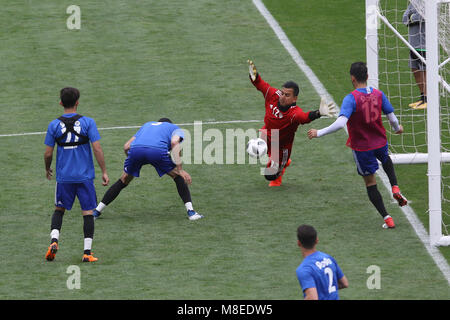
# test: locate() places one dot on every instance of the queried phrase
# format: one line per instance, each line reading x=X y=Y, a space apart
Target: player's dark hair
x=359 y=71
x=292 y=85
x=164 y=120
x=307 y=236
x=69 y=97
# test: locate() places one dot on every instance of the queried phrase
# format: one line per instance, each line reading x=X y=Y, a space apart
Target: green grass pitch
x=138 y=61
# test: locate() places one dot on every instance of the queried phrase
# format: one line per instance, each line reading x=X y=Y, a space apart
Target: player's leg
x=164 y=164
x=88 y=200
x=185 y=194
x=367 y=165
x=275 y=169
x=64 y=197
x=131 y=168
x=418 y=69
x=55 y=229
x=112 y=193
x=388 y=167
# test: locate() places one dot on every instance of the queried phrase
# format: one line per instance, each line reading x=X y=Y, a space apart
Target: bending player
x=151 y=145
x=283 y=117
x=361 y=112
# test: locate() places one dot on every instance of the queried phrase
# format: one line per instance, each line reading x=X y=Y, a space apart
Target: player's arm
x=311 y=294
x=326 y=109
x=343 y=282
x=127 y=145
x=395 y=125
x=412 y=17
x=256 y=79
x=48 y=157
x=388 y=110
x=406 y=15
x=100 y=157
x=347 y=108
x=335 y=126
x=175 y=143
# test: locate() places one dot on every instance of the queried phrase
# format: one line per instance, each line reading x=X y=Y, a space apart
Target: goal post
x=388 y=52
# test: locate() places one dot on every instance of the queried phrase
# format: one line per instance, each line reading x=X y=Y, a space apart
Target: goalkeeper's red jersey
x=286 y=122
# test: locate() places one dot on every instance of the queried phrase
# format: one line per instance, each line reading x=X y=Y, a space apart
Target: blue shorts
x=85 y=192
x=366 y=161
x=139 y=156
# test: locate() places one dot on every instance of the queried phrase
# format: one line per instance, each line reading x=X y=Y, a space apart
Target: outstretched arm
x=256 y=79
x=326 y=109
x=335 y=126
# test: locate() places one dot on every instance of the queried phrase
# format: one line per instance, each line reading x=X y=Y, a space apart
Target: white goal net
x=400 y=34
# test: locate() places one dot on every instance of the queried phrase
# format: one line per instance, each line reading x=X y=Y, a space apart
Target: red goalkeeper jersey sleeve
x=286 y=122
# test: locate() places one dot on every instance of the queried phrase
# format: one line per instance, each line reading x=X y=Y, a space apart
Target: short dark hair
x=69 y=96
x=164 y=120
x=359 y=71
x=292 y=85
x=307 y=236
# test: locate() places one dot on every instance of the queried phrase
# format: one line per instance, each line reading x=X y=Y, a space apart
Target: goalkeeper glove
x=252 y=70
x=327 y=108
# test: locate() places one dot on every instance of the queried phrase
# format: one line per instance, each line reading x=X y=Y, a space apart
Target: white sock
x=54 y=234
x=87 y=243
x=188 y=206
x=387 y=217
x=100 y=207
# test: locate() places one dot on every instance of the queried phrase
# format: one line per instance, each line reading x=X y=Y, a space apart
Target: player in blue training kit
x=74 y=168
x=361 y=112
x=153 y=144
x=319 y=274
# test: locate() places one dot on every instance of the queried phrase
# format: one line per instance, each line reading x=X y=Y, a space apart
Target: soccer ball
x=256 y=147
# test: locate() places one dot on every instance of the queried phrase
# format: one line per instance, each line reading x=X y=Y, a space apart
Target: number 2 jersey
x=363 y=108
x=321 y=271
x=74 y=164
x=286 y=122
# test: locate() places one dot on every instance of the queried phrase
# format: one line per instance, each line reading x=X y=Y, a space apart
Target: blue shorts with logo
x=366 y=161
x=139 y=156
x=65 y=194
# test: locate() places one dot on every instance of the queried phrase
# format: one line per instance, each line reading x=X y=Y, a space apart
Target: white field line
x=418 y=227
x=292 y=50
x=137 y=127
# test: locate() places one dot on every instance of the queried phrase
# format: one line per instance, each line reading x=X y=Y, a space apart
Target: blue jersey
x=156 y=135
x=74 y=164
x=349 y=104
x=319 y=270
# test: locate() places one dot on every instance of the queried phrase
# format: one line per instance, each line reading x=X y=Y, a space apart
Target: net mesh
x=399 y=83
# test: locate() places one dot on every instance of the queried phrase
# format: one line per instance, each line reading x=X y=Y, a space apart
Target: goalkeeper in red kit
x=281 y=121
